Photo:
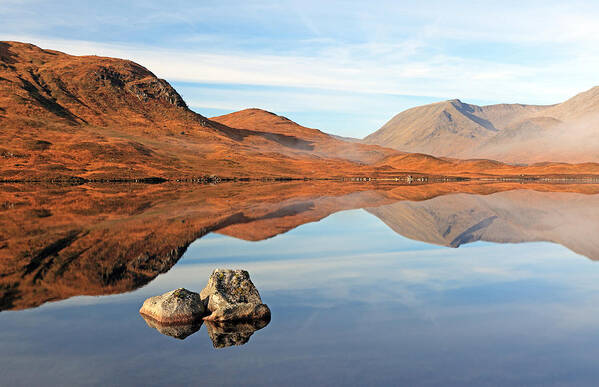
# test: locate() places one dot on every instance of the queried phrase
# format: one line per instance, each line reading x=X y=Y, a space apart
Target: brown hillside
x=95 y=117
x=323 y=144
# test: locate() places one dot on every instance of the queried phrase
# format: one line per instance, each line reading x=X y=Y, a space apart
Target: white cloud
x=350 y=69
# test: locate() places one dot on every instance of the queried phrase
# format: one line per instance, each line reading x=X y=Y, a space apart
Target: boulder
x=175 y=307
x=230 y=295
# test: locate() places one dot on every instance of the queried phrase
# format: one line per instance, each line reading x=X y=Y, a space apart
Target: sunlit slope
x=514 y=133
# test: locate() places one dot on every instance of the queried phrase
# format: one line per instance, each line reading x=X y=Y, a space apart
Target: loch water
x=458 y=288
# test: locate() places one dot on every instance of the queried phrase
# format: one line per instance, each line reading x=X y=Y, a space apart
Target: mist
x=574 y=141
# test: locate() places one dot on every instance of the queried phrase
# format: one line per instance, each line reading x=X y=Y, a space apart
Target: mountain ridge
x=65 y=117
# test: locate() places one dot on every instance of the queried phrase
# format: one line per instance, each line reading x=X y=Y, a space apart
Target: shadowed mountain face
x=513 y=133
x=58 y=242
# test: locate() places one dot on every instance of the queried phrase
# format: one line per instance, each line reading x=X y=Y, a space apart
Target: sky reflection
x=352 y=303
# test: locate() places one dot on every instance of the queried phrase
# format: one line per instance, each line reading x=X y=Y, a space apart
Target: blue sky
x=341 y=66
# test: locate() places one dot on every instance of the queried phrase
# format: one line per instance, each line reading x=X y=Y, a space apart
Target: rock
x=180 y=331
x=240 y=312
x=175 y=307
x=226 y=334
x=230 y=295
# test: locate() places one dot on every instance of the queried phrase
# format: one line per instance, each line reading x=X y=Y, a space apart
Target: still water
x=354 y=302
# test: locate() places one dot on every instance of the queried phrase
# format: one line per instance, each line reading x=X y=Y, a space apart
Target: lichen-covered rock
x=178 y=331
x=230 y=295
x=175 y=307
x=226 y=334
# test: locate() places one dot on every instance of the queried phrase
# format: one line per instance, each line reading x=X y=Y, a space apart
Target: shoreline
x=410 y=179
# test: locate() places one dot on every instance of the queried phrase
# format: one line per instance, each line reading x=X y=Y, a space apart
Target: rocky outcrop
x=175 y=307
x=227 y=334
x=152 y=88
x=230 y=295
x=235 y=307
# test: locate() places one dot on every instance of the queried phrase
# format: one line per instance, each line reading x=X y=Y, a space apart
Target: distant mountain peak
x=453 y=128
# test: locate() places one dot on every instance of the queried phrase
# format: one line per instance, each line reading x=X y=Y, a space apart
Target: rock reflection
x=222 y=334
x=178 y=331
x=233 y=333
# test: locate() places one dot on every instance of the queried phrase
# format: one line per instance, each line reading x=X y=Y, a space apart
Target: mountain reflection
x=506 y=217
x=58 y=242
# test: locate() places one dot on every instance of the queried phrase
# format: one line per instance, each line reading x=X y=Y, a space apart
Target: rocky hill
x=105 y=118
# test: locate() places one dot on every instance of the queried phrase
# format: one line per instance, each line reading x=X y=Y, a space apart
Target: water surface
x=354 y=301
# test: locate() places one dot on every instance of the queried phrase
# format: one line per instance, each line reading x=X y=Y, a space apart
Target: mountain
x=444 y=128
x=512 y=133
x=65 y=117
x=91 y=117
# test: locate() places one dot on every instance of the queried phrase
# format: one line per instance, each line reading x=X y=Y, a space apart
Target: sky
x=341 y=66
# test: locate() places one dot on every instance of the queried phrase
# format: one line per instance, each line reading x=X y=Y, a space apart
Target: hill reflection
x=59 y=242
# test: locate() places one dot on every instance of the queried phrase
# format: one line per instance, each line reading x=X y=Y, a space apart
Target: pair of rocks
x=229 y=296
